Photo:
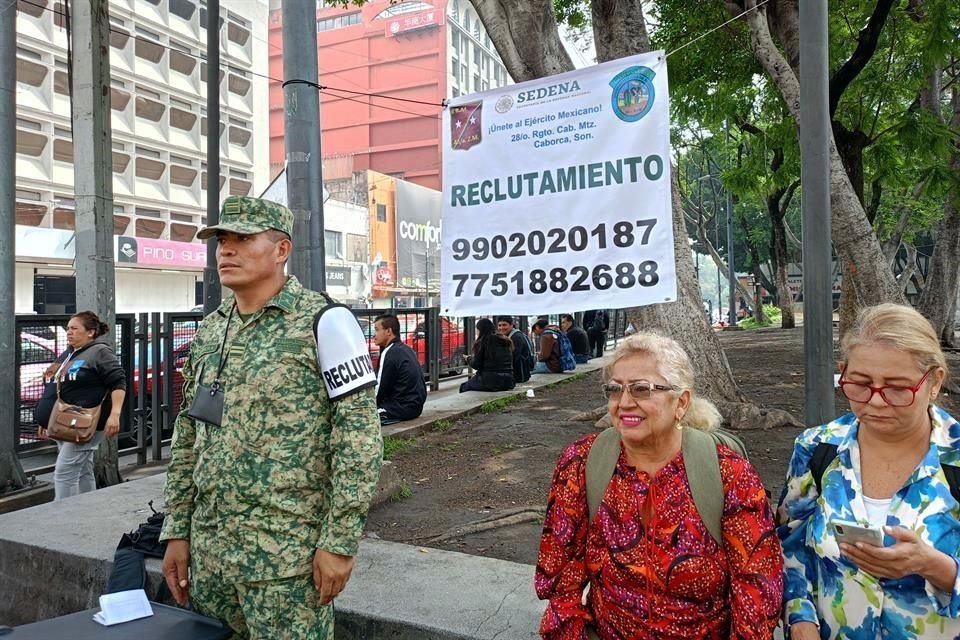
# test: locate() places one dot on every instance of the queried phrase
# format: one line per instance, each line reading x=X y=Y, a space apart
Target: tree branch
x=526 y=37
x=785 y=203
x=866 y=46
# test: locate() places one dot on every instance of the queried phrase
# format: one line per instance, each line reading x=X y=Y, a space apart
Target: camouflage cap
x=250 y=215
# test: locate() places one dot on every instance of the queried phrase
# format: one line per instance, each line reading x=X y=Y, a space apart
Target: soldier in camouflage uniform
x=266 y=509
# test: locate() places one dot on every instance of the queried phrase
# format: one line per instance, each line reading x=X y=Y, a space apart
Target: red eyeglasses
x=895 y=396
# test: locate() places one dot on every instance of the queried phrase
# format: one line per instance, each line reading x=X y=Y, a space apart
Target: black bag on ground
x=129 y=562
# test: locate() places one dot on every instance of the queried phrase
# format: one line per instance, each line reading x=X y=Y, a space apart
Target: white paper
x=123 y=606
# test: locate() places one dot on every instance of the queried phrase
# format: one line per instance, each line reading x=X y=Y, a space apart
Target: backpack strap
x=703 y=473
x=601 y=462
x=953 y=479
x=825 y=452
x=822 y=456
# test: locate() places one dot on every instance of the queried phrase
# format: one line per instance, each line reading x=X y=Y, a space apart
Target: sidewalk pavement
x=449 y=404
x=445 y=404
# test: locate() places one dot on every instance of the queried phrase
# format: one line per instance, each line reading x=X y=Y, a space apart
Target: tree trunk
x=850 y=145
x=940 y=289
x=106 y=466
x=867 y=279
x=525 y=34
x=947 y=335
x=781 y=261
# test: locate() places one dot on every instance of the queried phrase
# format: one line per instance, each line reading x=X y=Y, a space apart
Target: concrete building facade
x=417 y=50
x=159 y=124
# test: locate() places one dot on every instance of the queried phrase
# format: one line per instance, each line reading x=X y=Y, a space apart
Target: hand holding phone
x=852 y=533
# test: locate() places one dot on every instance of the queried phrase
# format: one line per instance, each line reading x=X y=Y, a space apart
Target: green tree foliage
x=898 y=151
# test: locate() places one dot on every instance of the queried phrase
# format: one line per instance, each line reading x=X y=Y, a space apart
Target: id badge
x=208 y=404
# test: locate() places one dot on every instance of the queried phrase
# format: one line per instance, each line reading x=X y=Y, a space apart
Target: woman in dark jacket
x=89 y=375
x=492 y=359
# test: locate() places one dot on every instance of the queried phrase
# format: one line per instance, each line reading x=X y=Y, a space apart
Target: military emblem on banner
x=633 y=93
x=465 y=127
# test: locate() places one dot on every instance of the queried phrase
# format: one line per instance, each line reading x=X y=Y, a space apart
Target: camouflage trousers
x=283 y=609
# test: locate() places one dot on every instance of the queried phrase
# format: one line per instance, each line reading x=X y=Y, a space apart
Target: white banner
x=556 y=193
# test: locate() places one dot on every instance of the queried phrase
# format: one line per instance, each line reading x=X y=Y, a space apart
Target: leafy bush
x=770 y=312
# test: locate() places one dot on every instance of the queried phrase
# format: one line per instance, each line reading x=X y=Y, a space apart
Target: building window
x=381 y=213
x=454 y=66
x=454 y=38
x=23 y=123
x=333 y=243
x=400 y=8
x=338 y=22
x=150 y=153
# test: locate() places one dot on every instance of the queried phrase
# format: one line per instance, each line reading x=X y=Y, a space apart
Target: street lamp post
x=731 y=268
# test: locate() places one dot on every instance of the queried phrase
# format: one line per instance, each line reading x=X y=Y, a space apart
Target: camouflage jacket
x=289 y=471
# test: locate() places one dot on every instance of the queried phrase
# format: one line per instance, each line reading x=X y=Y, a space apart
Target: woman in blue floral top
x=883 y=467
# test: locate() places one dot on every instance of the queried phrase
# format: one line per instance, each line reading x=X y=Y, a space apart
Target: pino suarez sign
x=556 y=193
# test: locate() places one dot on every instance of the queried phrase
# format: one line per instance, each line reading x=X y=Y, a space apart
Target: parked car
x=413 y=333
x=36 y=354
x=182 y=340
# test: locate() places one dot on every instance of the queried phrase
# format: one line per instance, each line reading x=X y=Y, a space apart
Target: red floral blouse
x=653 y=569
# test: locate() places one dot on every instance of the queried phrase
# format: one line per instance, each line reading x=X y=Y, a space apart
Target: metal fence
x=152 y=349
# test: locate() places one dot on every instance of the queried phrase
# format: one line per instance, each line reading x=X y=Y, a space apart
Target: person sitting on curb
x=523 y=359
x=548 y=358
x=493 y=360
x=578 y=338
x=401 y=391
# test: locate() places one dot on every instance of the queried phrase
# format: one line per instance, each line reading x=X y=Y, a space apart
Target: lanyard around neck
x=223 y=344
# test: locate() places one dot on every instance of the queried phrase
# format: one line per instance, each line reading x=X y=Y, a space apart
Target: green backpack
x=699 y=458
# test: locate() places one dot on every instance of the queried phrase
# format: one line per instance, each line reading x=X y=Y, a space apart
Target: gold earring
x=678 y=426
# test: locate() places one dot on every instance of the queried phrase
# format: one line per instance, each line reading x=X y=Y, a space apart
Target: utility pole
x=11 y=473
x=302 y=142
x=815 y=173
x=211 y=280
x=93 y=160
x=731 y=270
x=93 y=184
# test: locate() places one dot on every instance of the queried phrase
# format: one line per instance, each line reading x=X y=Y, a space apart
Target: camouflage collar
x=285 y=299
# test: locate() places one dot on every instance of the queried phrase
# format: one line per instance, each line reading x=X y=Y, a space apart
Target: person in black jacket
x=401 y=391
x=89 y=375
x=597 y=322
x=523 y=358
x=492 y=359
x=579 y=341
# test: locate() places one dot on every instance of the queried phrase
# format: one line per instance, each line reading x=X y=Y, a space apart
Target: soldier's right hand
x=176 y=563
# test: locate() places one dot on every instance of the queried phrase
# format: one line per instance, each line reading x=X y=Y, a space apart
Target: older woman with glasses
x=646 y=565
x=869 y=515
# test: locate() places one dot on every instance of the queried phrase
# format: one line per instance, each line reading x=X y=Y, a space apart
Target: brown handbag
x=72 y=423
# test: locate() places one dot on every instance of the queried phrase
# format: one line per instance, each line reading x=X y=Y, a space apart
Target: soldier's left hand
x=330 y=573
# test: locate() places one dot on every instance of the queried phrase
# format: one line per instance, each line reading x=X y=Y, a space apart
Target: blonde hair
x=900 y=327
x=674 y=365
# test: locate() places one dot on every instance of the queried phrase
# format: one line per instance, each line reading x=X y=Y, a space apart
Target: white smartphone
x=851 y=533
